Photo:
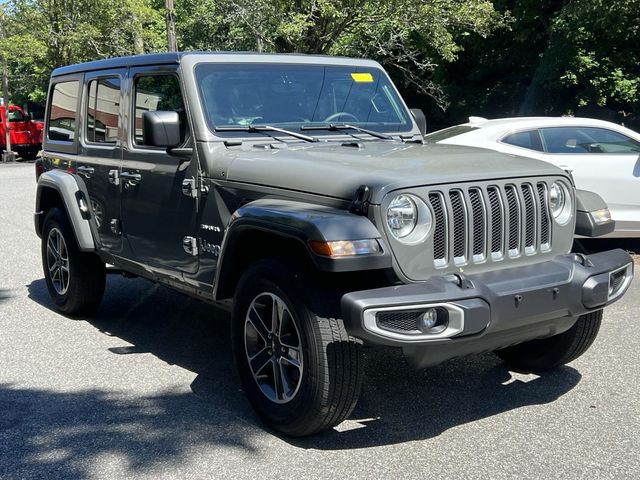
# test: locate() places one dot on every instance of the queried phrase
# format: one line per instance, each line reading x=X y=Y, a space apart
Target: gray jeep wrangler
x=300 y=188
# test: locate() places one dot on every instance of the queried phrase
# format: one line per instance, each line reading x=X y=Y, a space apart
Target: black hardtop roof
x=152 y=59
x=115 y=62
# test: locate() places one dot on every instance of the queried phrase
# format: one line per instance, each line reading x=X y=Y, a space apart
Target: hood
x=332 y=169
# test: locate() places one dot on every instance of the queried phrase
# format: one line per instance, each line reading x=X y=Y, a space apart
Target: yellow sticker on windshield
x=362 y=77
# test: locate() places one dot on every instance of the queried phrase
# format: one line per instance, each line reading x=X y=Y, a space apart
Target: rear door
x=101 y=152
x=156 y=215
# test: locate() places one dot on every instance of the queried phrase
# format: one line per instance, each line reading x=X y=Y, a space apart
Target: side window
x=529 y=139
x=103 y=105
x=587 y=140
x=157 y=92
x=608 y=141
x=62 y=111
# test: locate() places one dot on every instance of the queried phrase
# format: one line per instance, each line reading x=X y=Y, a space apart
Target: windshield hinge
x=360 y=203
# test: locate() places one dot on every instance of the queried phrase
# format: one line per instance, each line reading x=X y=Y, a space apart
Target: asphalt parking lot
x=146 y=389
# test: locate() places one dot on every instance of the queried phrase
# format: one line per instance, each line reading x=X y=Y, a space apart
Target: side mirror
x=161 y=129
x=421 y=120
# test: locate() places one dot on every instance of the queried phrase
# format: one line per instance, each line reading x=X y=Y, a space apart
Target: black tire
x=332 y=361
x=552 y=352
x=86 y=272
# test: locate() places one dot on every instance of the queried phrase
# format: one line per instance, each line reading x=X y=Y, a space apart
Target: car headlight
x=409 y=219
x=560 y=203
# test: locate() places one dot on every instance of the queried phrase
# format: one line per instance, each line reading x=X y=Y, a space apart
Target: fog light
x=428 y=320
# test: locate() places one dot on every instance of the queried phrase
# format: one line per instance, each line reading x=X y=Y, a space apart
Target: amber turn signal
x=345 y=248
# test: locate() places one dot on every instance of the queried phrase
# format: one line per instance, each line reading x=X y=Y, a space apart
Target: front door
x=101 y=152
x=156 y=215
x=602 y=161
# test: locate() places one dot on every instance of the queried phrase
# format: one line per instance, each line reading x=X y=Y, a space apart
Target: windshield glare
x=293 y=96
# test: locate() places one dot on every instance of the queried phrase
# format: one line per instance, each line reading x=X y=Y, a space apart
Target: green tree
x=410 y=37
x=558 y=56
x=44 y=34
x=593 y=55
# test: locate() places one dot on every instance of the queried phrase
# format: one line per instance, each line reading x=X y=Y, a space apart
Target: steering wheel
x=335 y=116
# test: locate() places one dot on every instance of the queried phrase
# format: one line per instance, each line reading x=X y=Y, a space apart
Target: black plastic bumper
x=499 y=308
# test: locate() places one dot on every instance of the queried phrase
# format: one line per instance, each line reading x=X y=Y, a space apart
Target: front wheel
x=548 y=353
x=75 y=279
x=300 y=369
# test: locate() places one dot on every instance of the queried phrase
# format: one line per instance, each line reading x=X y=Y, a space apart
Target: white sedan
x=603 y=157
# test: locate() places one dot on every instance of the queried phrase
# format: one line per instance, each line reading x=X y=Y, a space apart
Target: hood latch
x=360 y=203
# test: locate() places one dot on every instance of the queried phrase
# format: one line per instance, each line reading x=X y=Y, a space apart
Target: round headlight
x=402 y=216
x=560 y=203
x=409 y=219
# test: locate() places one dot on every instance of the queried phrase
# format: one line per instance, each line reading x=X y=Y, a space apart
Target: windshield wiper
x=265 y=128
x=333 y=127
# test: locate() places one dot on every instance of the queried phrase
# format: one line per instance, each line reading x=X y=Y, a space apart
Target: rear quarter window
x=529 y=139
x=63 y=111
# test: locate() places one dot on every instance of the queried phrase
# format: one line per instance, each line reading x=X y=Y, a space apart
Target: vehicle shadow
x=5 y=294
x=398 y=404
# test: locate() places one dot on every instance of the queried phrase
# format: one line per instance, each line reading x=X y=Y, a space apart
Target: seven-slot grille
x=479 y=222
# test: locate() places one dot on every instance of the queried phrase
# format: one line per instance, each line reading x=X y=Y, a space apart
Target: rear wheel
x=75 y=279
x=300 y=369
x=552 y=352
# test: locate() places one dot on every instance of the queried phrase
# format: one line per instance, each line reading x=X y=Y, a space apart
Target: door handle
x=131 y=178
x=86 y=172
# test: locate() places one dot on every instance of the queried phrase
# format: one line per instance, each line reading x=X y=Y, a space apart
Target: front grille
x=495 y=222
x=459 y=216
x=545 y=220
x=497 y=216
x=440 y=229
x=478 y=221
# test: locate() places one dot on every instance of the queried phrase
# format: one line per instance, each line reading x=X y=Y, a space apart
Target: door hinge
x=189 y=187
x=190 y=245
x=114 y=177
x=114 y=226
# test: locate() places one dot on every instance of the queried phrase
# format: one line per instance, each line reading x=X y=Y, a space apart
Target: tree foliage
x=409 y=37
x=558 y=57
x=453 y=57
x=44 y=34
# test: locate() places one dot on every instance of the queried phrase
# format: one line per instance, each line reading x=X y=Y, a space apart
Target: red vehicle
x=26 y=135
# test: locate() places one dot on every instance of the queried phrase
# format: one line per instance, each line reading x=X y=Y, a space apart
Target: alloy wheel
x=273 y=348
x=58 y=261
x=98 y=214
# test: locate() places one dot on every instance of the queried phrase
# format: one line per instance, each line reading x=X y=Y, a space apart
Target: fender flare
x=586 y=225
x=301 y=222
x=73 y=196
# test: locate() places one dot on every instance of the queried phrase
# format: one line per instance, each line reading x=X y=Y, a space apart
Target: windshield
x=16 y=116
x=295 y=96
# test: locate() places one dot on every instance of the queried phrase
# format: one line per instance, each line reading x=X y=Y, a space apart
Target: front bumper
x=491 y=310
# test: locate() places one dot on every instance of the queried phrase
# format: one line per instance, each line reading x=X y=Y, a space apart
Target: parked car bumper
x=487 y=311
x=25 y=146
